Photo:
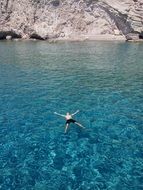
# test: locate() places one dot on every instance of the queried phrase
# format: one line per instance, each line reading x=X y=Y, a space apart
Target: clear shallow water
x=104 y=81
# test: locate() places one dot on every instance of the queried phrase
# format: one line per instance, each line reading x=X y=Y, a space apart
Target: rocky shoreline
x=71 y=20
x=78 y=39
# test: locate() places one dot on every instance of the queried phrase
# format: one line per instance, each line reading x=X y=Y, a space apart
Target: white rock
x=8 y=37
x=71 y=18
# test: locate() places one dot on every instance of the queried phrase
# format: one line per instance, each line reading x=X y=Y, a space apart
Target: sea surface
x=104 y=80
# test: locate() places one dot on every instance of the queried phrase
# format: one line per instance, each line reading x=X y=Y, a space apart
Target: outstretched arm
x=75 y=112
x=59 y=114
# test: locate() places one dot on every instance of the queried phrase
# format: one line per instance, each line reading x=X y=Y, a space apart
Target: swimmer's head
x=68 y=113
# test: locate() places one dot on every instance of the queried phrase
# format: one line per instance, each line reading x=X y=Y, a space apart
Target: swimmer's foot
x=80 y=125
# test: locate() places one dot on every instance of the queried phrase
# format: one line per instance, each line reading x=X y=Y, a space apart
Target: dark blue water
x=104 y=80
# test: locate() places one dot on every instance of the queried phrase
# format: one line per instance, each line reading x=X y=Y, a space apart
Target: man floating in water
x=69 y=119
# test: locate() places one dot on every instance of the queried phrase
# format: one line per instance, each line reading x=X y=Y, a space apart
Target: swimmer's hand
x=59 y=114
x=75 y=112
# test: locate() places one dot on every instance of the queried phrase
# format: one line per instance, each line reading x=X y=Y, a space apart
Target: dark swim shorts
x=70 y=121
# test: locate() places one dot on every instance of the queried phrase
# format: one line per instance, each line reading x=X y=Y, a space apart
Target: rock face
x=70 y=19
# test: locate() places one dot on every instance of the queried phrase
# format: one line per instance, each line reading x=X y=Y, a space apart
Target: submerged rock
x=70 y=19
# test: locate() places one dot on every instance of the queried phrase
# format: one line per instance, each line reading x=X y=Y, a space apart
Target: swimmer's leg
x=79 y=125
x=67 y=126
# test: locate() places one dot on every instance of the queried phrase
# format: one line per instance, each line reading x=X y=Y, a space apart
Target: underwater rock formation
x=71 y=19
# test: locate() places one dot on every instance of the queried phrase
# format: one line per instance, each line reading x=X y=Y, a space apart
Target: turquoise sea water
x=104 y=80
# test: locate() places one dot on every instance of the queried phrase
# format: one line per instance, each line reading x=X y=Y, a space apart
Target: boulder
x=8 y=37
x=132 y=36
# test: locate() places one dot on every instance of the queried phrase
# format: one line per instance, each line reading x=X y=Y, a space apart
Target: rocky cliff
x=71 y=19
